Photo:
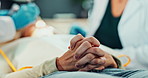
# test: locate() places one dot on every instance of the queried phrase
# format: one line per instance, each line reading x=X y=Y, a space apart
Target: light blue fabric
x=25 y=15
x=77 y=30
x=4 y=12
x=77 y=75
x=107 y=73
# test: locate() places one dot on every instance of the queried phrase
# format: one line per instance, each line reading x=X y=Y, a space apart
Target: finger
x=98 y=61
x=74 y=40
x=88 y=67
x=96 y=51
x=82 y=49
x=85 y=60
x=100 y=68
x=91 y=40
x=68 y=47
x=113 y=65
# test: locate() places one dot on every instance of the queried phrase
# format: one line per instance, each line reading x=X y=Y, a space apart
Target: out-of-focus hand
x=28 y=30
x=25 y=15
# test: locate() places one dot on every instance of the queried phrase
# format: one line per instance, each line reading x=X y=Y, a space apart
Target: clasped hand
x=84 y=54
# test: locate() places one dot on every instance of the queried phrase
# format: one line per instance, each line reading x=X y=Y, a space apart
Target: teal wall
x=51 y=7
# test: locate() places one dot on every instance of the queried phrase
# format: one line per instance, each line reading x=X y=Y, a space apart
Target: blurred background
x=64 y=8
x=61 y=14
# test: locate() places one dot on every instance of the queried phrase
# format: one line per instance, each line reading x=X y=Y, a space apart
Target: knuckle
x=71 y=42
x=89 y=67
x=99 y=62
x=91 y=38
x=87 y=44
x=80 y=36
x=77 y=54
x=78 y=63
x=89 y=56
x=78 y=43
x=94 y=41
x=95 y=49
x=96 y=61
x=100 y=51
x=102 y=62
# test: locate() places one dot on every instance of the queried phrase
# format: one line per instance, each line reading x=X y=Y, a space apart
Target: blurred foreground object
x=39 y=29
x=7 y=29
x=76 y=29
x=25 y=15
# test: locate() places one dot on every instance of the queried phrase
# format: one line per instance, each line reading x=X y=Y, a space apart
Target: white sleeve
x=138 y=56
x=7 y=29
x=38 y=71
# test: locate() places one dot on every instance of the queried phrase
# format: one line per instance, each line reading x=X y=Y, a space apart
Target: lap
x=77 y=75
x=107 y=73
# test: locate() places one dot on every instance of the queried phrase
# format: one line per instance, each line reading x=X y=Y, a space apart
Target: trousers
x=107 y=73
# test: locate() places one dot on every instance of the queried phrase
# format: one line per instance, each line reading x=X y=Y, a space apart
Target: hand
x=28 y=30
x=25 y=15
x=68 y=61
x=96 y=63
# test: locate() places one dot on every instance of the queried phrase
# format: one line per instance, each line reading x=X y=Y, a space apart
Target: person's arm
x=7 y=29
x=26 y=15
x=43 y=69
x=138 y=56
x=64 y=63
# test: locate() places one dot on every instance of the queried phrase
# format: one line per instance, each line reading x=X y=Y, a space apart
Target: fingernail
x=79 y=66
x=76 y=57
x=78 y=34
x=69 y=47
x=103 y=58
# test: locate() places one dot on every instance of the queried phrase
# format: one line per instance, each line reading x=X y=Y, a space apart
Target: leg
x=77 y=75
x=124 y=73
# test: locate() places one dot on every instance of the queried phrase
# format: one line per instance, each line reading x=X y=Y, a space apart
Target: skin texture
x=28 y=30
x=118 y=7
x=84 y=55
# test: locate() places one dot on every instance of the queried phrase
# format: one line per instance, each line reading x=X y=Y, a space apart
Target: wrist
x=58 y=65
x=117 y=61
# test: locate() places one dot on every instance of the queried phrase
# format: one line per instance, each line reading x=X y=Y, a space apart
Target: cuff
x=119 y=64
x=45 y=68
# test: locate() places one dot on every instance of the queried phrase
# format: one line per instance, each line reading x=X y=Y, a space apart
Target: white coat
x=132 y=29
x=7 y=29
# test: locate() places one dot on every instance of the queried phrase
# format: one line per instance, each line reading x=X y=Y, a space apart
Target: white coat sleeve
x=43 y=69
x=138 y=56
x=7 y=29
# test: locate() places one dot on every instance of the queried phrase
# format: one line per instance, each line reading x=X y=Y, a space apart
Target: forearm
x=7 y=29
x=38 y=71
